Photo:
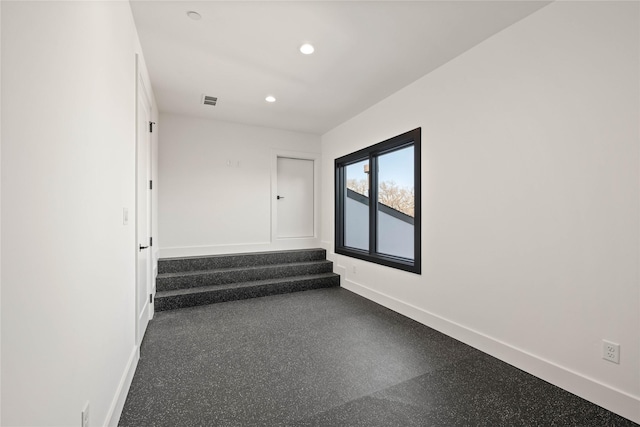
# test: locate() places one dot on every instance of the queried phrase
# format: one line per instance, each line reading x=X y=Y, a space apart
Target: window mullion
x=340 y=205
x=373 y=204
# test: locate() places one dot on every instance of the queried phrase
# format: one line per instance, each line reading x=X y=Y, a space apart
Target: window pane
x=356 y=206
x=396 y=203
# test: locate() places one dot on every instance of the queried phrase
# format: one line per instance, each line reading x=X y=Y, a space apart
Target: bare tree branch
x=389 y=193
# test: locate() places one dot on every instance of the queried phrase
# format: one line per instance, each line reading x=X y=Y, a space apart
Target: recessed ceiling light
x=307 y=49
x=194 y=15
x=270 y=98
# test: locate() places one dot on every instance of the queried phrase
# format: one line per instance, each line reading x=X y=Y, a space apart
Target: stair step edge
x=178 y=264
x=231 y=269
x=213 y=288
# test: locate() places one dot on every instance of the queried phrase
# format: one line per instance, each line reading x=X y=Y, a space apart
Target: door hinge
x=150 y=298
x=150 y=241
x=150 y=185
x=151 y=126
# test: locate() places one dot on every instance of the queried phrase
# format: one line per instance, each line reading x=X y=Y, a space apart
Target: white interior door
x=143 y=209
x=294 y=198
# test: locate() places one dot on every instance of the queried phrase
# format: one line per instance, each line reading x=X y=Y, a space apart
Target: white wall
x=0 y=213
x=208 y=207
x=530 y=179
x=68 y=170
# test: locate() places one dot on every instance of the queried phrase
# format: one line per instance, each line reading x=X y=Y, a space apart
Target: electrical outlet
x=610 y=351
x=353 y=268
x=125 y=216
x=85 y=415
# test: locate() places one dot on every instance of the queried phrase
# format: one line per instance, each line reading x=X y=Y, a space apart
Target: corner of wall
x=120 y=397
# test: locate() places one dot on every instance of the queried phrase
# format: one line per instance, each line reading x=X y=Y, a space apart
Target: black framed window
x=378 y=203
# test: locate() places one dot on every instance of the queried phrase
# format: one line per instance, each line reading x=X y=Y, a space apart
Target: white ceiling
x=243 y=51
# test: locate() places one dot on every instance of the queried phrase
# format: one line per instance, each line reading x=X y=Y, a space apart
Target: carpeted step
x=190 y=297
x=222 y=276
x=201 y=263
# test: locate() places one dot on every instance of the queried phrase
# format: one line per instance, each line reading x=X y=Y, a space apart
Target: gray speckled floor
x=330 y=358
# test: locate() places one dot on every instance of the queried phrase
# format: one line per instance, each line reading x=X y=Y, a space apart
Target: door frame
x=141 y=88
x=296 y=155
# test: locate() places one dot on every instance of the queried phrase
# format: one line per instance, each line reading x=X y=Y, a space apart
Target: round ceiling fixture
x=270 y=98
x=194 y=15
x=307 y=49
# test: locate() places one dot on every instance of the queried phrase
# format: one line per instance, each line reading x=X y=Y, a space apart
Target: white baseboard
x=115 y=409
x=276 y=245
x=616 y=401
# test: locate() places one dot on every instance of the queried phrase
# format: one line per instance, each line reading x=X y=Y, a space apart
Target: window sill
x=387 y=260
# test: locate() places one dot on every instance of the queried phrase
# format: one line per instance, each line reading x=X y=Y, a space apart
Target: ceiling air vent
x=209 y=100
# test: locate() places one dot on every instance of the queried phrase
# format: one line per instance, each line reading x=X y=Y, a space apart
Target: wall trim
x=117 y=404
x=617 y=401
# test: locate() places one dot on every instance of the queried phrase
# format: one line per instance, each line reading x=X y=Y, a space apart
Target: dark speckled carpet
x=330 y=358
